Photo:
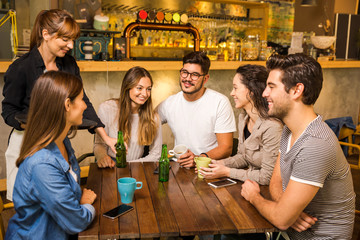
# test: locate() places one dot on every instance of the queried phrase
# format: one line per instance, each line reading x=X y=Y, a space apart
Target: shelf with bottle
x=93 y=31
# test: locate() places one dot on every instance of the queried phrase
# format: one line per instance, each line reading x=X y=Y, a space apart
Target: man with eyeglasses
x=199 y=117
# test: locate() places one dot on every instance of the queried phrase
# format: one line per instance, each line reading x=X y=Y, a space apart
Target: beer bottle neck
x=120 y=137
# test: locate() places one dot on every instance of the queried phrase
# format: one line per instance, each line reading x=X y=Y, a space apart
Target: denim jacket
x=47 y=197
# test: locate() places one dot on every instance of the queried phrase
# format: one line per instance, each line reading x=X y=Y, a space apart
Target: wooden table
x=183 y=206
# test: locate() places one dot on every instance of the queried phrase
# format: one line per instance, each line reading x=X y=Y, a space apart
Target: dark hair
x=147 y=126
x=47 y=116
x=55 y=21
x=198 y=58
x=254 y=78
x=299 y=68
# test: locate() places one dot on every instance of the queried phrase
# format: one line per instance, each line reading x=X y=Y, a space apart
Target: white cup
x=178 y=150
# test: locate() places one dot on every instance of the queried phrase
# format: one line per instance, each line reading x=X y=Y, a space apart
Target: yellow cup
x=202 y=162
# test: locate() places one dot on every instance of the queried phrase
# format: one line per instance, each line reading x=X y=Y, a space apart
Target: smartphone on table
x=222 y=183
x=118 y=211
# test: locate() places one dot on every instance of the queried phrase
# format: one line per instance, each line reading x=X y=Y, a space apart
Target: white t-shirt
x=196 y=123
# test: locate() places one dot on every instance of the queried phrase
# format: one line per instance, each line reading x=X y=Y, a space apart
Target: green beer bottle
x=120 y=151
x=164 y=165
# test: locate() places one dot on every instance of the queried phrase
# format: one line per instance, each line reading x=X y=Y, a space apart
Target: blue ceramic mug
x=127 y=187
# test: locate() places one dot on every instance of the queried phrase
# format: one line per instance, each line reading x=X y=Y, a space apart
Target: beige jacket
x=256 y=156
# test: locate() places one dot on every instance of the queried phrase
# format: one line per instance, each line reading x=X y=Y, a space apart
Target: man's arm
x=224 y=148
x=283 y=213
x=276 y=181
x=304 y=221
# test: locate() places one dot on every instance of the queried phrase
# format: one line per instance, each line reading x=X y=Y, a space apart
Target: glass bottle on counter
x=120 y=151
x=164 y=165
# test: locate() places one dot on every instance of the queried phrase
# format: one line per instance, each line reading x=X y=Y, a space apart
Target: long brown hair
x=55 y=21
x=254 y=78
x=147 y=126
x=47 y=117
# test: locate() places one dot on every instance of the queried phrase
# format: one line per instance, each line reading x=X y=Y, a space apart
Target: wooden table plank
x=109 y=199
x=164 y=214
x=237 y=215
x=145 y=210
x=93 y=183
x=129 y=227
x=184 y=215
x=260 y=223
x=195 y=208
x=222 y=220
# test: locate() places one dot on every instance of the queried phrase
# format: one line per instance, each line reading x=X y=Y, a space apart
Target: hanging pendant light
x=308 y=3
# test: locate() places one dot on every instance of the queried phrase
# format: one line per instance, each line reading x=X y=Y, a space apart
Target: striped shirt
x=317 y=159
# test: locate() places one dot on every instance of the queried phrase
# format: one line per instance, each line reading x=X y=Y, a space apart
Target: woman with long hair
x=133 y=114
x=51 y=38
x=48 y=200
x=259 y=136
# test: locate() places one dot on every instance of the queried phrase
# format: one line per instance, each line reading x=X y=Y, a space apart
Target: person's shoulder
x=43 y=156
x=272 y=123
x=68 y=58
x=111 y=103
x=212 y=93
x=20 y=63
x=172 y=98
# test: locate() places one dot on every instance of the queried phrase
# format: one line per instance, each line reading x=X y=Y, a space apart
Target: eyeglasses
x=193 y=76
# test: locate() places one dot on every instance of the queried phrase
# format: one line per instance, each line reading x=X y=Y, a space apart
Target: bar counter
x=114 y=66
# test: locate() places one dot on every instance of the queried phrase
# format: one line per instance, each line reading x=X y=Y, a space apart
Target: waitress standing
x=52 y=37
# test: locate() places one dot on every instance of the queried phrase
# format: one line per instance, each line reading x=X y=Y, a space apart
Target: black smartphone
x=156 y=171
x=222 y=183
x=118 y=211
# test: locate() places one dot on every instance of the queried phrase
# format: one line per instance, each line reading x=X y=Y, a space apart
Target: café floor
x=8 y=213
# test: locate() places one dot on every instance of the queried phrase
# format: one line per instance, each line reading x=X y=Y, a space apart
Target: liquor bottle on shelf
x=157 y=39
x=134 y=39
x=140 y=39
x=232 y=48
x=120 y=151
x=164 y=39
x=164 y=165
x=111 y=48
x=170 y=42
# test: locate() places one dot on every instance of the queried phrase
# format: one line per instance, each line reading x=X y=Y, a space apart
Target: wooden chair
x=84 y=171
x=2 y=230
x=2 y=207
x=354 y=149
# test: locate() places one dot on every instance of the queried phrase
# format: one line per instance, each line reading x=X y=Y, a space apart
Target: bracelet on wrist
x=204 y=154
